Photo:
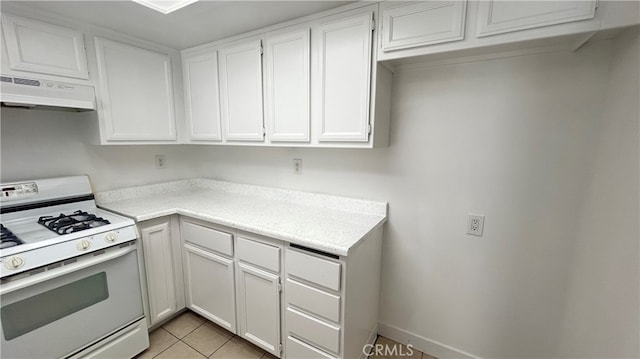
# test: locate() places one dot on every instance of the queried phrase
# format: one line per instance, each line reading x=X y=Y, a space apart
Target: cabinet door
x=35 y=46
x=136 y=93
x=496 y=17
x=287 y=90
x=156 y=245
x=210 y=286
x=343 y=78
x=241 y=91
x=259 y=307
x=202 y=100
x=422 y=23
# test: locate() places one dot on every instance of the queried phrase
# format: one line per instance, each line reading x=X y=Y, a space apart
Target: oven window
x=34 y=312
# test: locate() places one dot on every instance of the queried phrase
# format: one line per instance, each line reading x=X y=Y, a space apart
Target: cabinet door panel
x=44 y=48
x=136 y=92
x=259 y=307
x=210 y=286
x=202 y=101
x=156 y=245
x=344 y=78
x=287 y=90
x=241 y=91
x=496 y=17
x=422 y=23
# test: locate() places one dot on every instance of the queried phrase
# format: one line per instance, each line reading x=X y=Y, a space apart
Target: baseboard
x=373 y=336
x=425 y=345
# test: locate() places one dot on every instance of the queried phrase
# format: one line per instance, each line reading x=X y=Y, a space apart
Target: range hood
x=46 y=94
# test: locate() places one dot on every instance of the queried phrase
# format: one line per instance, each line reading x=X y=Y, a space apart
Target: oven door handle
x=63 y=270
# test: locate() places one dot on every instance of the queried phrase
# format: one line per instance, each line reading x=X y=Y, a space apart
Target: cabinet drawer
x=208 y=238
x=313 y=300
x=313 y=330
x=260 y=254
x=316 y=270
x=299 y=350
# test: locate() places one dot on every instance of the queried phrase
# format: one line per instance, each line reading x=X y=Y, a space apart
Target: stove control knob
x=14 y=263
x=83 y=245
x=111 y=237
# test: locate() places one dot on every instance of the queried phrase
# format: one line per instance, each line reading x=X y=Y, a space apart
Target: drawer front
x=313 y=300
x=316 y=270
x=260 y=254
x=313 y=330
x=208 y=238
x=299 y=350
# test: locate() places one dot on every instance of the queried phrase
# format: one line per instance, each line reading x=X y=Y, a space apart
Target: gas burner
x=69 y=223
x=8 y=239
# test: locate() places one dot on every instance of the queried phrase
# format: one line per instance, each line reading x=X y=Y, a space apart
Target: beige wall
x=519 y=140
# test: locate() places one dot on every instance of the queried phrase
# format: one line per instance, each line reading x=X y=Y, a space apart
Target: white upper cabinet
x=287 y=97
x=135 y=93
x=412 y=24
x=342 y=78
x=202 y=96
x=241 y=90
x=497 y=17
x=38 y=47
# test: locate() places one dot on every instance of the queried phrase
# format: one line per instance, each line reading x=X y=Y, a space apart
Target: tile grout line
x=179 y=340
x=220 y=347
x=165 y=349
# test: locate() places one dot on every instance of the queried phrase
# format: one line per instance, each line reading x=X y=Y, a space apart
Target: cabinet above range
x=137 y=84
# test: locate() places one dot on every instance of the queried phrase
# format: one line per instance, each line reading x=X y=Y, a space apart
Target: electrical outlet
x=160 y=162
x=476 y=225
x=297 y=166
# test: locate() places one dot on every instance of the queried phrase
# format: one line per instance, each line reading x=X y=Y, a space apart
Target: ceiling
x=198 y=23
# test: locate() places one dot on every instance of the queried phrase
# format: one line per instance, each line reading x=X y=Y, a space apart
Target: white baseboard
x=373 y=336
x=425 y=345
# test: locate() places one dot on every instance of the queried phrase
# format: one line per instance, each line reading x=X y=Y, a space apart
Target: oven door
x=57 y=312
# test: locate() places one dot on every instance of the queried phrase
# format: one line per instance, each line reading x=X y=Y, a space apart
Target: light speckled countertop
x=327 y=223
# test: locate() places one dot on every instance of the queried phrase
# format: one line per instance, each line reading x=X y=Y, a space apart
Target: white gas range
x=70 y=283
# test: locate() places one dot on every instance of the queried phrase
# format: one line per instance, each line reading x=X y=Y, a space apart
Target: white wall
x=38 y=144
x=513 y=139
x=603 y=304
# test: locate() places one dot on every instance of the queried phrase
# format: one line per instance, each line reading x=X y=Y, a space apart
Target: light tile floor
x=189 y=336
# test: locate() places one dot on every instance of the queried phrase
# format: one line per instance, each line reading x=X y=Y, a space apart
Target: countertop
x=328 y=223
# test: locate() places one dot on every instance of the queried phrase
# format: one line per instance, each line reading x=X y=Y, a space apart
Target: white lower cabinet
x=163 y=269
x=326 y=308
x=258 y=287
x=209 y=286
x=259 y=307
x=209 y=273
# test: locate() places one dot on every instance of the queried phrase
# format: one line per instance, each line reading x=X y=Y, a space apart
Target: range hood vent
x=45 y=94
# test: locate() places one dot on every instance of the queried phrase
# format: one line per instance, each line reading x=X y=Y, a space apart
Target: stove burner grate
x=7 y=238
x=75 y=222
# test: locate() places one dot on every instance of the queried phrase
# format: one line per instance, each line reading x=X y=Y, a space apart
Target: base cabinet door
x=209 y=283
x=158 y=259
x=259 y=307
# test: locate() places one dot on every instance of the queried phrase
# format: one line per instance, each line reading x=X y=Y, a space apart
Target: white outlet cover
x=161 y=162
x=475 y=227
